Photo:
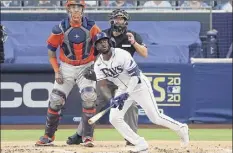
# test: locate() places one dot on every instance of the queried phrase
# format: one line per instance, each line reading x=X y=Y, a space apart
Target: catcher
x=74 y=35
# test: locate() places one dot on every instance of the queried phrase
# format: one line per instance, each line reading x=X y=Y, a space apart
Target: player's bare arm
x=53 y=61
x=141 y=49
x=104 y=88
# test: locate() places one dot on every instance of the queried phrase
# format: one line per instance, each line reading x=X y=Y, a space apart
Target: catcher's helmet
x=99 y=36
x=75 y=2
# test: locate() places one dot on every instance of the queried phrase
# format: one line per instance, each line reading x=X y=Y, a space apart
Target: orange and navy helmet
x=75 y=2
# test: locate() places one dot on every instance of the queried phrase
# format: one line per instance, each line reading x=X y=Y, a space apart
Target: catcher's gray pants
x=131 y=116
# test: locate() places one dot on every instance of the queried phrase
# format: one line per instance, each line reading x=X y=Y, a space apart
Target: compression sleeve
x=133 y=70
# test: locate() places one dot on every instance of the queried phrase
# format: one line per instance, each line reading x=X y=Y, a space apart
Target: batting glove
x=119 y=101
x=122 y=97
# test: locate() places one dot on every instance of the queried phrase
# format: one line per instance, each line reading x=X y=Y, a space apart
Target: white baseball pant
x=143 y=95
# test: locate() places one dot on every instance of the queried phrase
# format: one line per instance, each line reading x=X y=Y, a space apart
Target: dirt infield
x=119 y=147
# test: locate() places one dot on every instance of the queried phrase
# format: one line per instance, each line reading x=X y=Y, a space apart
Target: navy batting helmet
x=99 y=36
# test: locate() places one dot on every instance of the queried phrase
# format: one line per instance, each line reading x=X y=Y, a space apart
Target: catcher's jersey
x=118 y=69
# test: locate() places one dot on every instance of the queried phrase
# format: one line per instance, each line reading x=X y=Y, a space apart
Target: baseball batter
x=74 y=35
x=130 y=41
x=117 y=66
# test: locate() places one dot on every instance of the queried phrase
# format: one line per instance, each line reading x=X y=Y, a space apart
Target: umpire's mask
x=119 y=20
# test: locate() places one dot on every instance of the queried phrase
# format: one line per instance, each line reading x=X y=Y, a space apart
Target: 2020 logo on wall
x=166 y=88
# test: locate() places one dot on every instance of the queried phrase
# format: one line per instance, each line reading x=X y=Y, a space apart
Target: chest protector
x=77 y=42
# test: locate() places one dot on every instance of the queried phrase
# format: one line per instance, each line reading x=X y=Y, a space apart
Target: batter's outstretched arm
x=104 y=89
x=133 y=71
x=132 y=84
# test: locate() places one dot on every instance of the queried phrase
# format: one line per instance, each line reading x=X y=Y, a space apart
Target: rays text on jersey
x=112 y=72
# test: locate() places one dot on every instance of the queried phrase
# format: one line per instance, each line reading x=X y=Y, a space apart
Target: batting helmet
x=99 y=36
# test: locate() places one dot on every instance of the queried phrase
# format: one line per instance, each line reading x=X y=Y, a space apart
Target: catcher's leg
x=85 y=131
x=88 y=95
x=57 y=100
x=101 y=102
x=76 y=138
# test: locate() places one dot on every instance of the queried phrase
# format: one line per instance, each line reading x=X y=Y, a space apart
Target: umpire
x=130 y=41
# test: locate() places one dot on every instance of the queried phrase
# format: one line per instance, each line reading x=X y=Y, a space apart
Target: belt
x=76 y=63
x=139 y=80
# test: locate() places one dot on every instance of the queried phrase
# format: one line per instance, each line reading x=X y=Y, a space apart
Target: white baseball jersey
x=118 y=69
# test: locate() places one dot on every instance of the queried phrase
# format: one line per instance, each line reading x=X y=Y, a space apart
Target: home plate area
x=118 y=147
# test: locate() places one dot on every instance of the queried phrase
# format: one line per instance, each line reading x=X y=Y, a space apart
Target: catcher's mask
x=102 y=43
x=115 y=16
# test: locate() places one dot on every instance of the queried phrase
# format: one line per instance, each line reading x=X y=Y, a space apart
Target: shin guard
x=88 y=129
x=52 y=121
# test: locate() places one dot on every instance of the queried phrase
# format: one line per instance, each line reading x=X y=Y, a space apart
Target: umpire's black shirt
x=122 y=42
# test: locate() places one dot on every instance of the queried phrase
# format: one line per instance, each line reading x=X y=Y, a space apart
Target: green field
x=113 y=135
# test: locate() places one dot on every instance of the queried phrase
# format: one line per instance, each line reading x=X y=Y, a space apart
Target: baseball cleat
x=87 y=142
x=128 y=143
x=184 y=135
x=141 y=147
x=74 y=139
x=45 y=141
x=142 y=151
